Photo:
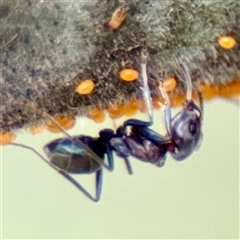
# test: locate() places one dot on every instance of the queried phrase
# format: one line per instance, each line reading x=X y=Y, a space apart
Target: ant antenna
x=63 y=173
x=188 y=82
x=145 y=88
x=185 y=77
x=166 y=108
x=200 y=96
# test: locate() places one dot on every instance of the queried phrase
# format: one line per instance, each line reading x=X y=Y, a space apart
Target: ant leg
x=129 y=166
x=146 y=97
x=110 y=158
x=118 y=145
x=105 y=137
x=77 y=185
x=144 y=125
x=145 y=89
x=63 y=173
x=185 y=76
x=111 y=161
x=200 y=97
x=99 y=181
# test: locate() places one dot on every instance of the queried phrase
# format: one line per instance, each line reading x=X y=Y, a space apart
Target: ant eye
x=193 y=127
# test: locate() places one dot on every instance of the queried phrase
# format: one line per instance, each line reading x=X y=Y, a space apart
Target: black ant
x=84 y=154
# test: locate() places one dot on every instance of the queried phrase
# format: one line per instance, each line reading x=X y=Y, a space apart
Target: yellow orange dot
x=176 y=99
x=209 y=91
x=130 y=108
x=99 y=118
x=94 y=112
x=36 y=129
x=226 y=42
x=85 y=87
x=6 y=138
x=97 y=115
x=169 y=84
x=230 y=89
x=128 y=74
x=65 y=122
x=116 y=111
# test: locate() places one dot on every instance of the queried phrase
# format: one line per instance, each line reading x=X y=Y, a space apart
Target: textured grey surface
x=48 y=47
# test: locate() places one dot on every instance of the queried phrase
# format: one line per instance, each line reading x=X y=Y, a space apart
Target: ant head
x=186 y=131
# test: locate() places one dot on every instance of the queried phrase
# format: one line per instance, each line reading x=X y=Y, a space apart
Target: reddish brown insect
x=117 y=18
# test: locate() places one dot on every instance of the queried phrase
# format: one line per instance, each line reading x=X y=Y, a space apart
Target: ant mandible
x=84 y=154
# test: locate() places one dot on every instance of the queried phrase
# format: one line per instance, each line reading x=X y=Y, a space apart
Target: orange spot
x=128 y=74
x=226 y=42
x=229 y=90
x=176 y=99
x=117 y=18
x=94 y=112
x=116 y=111
x=133 y=103
x=100 y=118
x=208 y=91
x=65 y=122
x=130 y=108
x=156 y=102
x=169 y=84
x=6 y=138
x=97 y=115
x=36 y=129
x=85 y=87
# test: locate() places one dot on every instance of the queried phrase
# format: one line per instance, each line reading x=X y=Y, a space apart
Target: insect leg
x=99 y=181
x=129 y=166
x=110 y=158
x=63 y=173
x=185 y=76
x=145 y=89
x=146 y=96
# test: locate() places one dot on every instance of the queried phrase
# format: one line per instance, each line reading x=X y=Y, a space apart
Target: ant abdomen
x=67 y=155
